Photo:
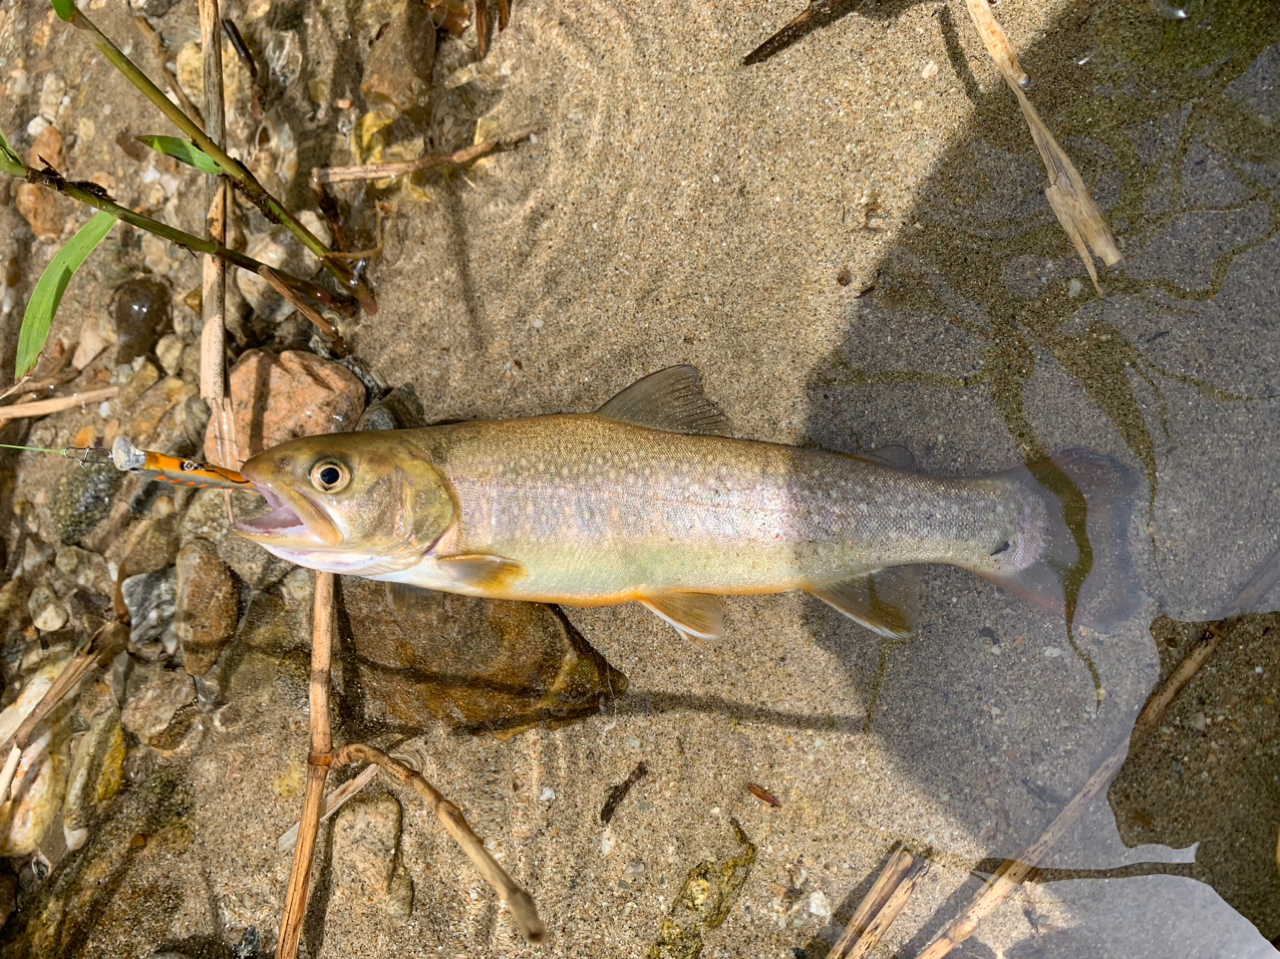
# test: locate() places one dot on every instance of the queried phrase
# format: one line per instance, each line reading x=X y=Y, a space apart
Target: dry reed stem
x=103 y=645
x=327 y=329
x=379 y=171
x=523 y=909
x=893 y=872
x=1012 y=872
x=16 y=386
x=318 y=760
x=893 y=905
x=57 y=404
x=1067 y=194
x=213 y=291
x=54 y=377
x=332 y=803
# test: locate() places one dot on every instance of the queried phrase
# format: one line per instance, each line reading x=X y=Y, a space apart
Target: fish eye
x=330 y=476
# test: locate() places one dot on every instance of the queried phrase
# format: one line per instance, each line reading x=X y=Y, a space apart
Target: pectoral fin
x=481 y=571
x=880 y=603
x=694 y=615
x=671 y=400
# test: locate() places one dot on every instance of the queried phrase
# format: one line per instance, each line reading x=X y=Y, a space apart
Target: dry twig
x=520 y=902
x=57 y=404
x=894 y=871
x=318 y=760
x=379 y=171
x=332 y=803
x=806 y=20
x=17 y=386
x=327 y=329
x=1067 y=194
x=100 y=650
x=1013 y=872
x=893 y=904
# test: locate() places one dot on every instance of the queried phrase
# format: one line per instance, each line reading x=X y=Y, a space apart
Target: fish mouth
x=293 y=520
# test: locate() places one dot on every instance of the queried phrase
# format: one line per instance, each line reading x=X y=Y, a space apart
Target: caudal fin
x=1072 y=554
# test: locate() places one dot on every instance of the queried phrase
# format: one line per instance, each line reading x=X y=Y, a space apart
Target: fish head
x=362 y=503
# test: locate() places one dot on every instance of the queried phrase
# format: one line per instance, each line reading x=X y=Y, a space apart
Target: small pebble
x=819 y=905
x=149 y=713
x=1052 y=652
x=169 y=352
x=141 y=311
x=548 y=794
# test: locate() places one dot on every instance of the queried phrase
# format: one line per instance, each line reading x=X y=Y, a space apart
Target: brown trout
x=644 y=500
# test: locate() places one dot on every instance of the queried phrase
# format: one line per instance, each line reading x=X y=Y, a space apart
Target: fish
x=648 y=500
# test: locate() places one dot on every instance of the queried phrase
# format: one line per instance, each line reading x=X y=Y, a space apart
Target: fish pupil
x=330 y=475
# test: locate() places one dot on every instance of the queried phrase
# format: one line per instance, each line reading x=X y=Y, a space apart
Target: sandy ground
x=850 y=241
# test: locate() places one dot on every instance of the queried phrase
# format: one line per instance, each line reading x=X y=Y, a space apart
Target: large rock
x=279 y=397
x=472 y=663
x=397 y=71
x=206 y=606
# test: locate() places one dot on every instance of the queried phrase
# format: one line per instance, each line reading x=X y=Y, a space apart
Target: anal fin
x=481 y=571
x=694 y=615
x=880 y=602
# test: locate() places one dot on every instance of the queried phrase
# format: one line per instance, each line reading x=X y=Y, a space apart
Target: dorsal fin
x=671 y=400
x=898 y=457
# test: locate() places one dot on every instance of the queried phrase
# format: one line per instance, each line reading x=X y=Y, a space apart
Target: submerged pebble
x=41 y=778
x=47 y=612
x=86 y=569
x=151 y=544
x=150 y=598
x=82 y=498
x=141 y=311
x=511 y=665
x=149 y=713
x=205 y=607
x=397 y=70
x=97 y=767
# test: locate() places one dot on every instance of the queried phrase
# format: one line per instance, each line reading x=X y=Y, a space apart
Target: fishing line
x=154 y=466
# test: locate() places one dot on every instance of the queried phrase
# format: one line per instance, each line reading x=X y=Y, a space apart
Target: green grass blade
x=66 y=9
x=10 y=162
x=52 y=285
x=184 y=151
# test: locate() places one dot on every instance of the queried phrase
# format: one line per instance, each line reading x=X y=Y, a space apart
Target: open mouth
x=282 y=522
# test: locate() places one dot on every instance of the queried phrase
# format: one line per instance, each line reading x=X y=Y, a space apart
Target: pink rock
x=279 y=397
x=44 y=209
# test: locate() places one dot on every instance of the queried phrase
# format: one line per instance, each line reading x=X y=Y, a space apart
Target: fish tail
x=1071 y=553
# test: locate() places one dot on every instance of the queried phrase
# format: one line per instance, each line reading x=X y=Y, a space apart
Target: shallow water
x=856 y=251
